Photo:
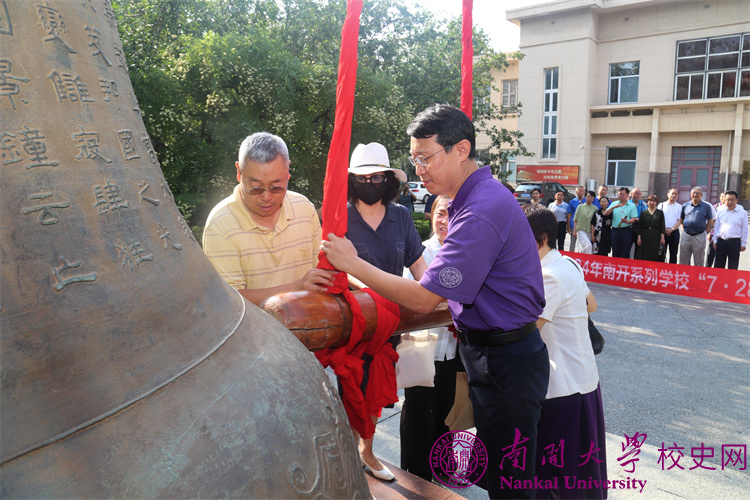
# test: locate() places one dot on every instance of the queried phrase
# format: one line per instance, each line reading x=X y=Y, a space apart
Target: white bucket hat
x=372 y=158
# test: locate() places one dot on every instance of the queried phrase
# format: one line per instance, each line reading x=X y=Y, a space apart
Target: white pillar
x=734 y=166
x=653 y=158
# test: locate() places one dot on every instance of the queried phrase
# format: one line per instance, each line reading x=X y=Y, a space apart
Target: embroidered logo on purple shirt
x=450 y=277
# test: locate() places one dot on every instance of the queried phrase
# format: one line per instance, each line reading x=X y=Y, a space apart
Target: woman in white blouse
x=571 y=429
x=425 y=408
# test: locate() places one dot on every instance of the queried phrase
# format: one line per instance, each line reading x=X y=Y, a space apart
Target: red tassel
x=467 y=59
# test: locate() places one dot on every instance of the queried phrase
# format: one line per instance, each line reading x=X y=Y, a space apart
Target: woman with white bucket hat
x=384 y=235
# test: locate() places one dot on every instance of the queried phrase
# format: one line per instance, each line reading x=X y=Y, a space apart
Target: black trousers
x=622 y=240
x=507 y=386
x=673 y=242
x=633 y=246
x=423 y=417
x=711 y=254
x=728 y=250
x=562 y=230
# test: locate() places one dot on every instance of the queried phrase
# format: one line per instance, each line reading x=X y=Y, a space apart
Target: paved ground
x=674 y=368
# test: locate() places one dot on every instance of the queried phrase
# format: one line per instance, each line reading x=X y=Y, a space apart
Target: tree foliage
x=207 y=73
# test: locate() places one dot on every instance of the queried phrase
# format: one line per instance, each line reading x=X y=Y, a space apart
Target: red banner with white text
x=727 y=285
x=564 y=174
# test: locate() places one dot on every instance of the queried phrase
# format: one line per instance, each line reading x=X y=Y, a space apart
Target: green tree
x=209 y=72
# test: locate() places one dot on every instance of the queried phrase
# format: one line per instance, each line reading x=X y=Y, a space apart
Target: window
x=721 y=84
x=509 y=166
x=510 y=93
x=713 y=68
x=482 y=99
x=690 y=87
x=549 y=125
x=623 y=82
x=621 y=166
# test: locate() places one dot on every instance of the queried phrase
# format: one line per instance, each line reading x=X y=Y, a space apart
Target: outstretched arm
x=591 y=303
x=315 y=280
x=408 y=293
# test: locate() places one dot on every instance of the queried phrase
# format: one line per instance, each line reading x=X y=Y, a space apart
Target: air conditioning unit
x=591 y=185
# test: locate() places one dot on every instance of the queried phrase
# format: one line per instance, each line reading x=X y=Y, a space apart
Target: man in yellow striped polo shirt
x=263 y=239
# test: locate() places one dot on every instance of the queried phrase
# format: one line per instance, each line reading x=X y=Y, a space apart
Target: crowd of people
x=629 y=228
x=525 y=348
x=499 y=342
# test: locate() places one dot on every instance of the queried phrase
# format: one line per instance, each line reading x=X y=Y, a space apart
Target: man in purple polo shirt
x=491 y=276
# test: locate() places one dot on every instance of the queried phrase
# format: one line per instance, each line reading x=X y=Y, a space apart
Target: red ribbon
x=347 y=361
x=467 y=59
x=336 y=179
x=382 y=389
x=347 y=364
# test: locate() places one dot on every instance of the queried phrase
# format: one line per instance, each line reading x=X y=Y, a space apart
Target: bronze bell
x=129 y=368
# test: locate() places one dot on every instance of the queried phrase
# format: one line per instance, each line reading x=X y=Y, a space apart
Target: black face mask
x=370 y=193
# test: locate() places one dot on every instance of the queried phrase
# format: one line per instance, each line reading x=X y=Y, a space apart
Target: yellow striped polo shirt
x=248 y=255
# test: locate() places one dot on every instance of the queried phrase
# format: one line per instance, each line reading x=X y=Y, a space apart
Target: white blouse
x=446 y=343
x=571 y=357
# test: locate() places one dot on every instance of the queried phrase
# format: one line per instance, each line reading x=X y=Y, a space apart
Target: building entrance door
x=696 y=167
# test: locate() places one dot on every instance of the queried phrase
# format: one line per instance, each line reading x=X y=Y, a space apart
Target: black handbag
x=597 y=341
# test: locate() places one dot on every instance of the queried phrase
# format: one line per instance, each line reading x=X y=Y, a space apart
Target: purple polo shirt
x=488 y=267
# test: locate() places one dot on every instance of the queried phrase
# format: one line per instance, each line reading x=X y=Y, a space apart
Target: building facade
x=507 y=97
x=646 y=93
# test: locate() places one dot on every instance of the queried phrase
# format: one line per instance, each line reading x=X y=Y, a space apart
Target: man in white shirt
x=560 y=209
x=672 y=211
x=730 y=232
x=711 y=251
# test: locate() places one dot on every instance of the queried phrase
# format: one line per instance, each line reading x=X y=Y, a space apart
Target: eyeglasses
x=257 y=191
x=422 y=160
x=374 y=179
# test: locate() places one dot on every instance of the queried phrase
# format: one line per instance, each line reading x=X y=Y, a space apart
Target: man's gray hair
x=696 y=188
x=262 y=147
x=581 y=186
